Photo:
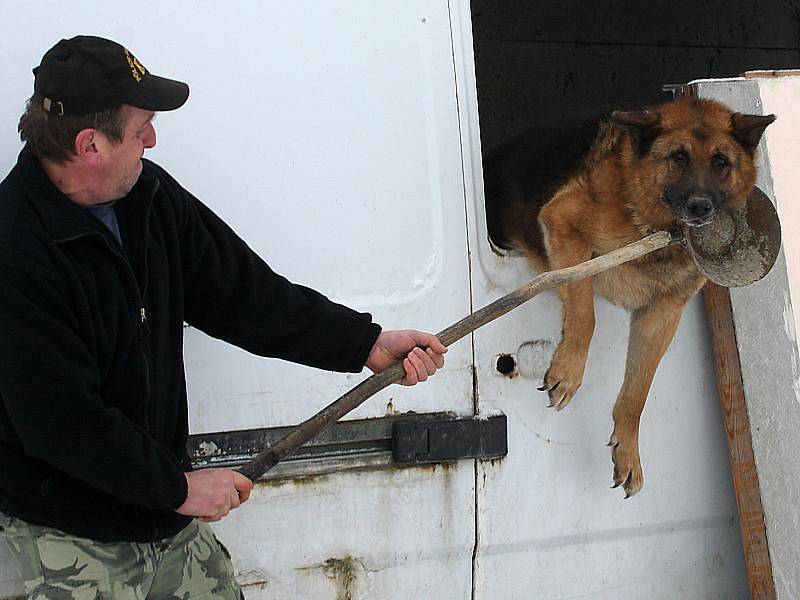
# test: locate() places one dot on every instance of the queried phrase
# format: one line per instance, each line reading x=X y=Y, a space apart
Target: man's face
x=121 y=163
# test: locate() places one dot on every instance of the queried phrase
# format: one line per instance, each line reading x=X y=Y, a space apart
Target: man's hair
x=53 y=137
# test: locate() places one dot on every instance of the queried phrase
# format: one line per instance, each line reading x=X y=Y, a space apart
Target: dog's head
x=691 y=158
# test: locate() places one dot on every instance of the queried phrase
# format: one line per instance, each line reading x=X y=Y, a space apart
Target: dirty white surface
x=781 y=96
x=326 y=134
x=765 y=331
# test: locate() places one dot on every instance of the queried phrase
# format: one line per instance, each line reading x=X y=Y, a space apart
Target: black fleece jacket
x=93 y=419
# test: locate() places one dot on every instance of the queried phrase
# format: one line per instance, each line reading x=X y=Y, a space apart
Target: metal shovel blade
x=739 y=247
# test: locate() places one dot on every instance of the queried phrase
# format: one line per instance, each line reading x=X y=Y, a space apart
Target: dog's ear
x=643 y=126
x=748 y=129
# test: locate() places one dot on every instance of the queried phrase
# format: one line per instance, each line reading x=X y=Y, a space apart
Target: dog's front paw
x=627 y=466
x=564 y=376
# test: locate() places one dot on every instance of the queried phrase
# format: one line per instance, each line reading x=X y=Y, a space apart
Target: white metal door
x=549 y=527
x=327 y=135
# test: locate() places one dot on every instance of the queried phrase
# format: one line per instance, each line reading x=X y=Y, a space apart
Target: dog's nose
x=699 y=206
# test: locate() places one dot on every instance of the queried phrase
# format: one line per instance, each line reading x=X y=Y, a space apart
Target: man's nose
x=150 y=137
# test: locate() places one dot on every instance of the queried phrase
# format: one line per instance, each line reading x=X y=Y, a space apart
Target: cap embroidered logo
x=137 y=70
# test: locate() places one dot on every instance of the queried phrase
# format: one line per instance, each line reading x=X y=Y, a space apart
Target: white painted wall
x=781 y=96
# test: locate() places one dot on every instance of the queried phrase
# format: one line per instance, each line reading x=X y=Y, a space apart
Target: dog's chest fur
x=668 y=272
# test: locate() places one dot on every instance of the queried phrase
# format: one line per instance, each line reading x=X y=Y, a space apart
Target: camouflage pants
x=58 y=566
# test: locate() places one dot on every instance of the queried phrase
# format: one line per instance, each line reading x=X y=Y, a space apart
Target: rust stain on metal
x=446 y=467
x=340 y=571
x=296 y=480
x=315 y=478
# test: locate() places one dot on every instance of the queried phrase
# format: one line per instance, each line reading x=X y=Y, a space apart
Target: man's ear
x=748 y=129
x=642 y=125
x=85 y=148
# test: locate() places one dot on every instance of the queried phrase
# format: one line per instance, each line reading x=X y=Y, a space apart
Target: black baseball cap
x=87 y=74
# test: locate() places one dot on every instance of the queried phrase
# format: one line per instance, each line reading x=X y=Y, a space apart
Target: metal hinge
x=450 y=439
x=366 y=443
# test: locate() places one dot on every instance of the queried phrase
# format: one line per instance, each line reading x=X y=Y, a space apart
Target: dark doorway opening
x=536 y=59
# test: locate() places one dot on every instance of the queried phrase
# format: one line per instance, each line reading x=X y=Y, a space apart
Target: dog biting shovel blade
x=734 y=250
x=738 y=248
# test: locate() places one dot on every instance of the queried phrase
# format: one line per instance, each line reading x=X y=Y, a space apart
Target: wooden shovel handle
x=271 y=456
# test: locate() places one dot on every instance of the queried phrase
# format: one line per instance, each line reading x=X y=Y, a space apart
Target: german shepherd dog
x=565 y=194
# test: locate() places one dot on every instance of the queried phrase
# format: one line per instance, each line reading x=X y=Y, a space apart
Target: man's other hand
x=423 y=352
x=213 y=493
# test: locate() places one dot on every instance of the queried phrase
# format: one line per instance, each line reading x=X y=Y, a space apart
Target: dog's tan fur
x=615 y=198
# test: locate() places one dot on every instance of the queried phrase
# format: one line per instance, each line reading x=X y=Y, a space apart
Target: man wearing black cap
x=104 y=256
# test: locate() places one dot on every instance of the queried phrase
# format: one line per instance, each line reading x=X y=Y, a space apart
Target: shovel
x=736 y=249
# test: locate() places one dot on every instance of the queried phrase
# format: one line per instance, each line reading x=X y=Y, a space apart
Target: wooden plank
x=771 y=73
x=740 y=444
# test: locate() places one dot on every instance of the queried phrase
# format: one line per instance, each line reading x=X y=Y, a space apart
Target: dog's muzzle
x=698 y=210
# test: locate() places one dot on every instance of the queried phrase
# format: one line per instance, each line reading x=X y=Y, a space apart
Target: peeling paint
x=252 y=578
x=488 y=413
x=422 y=282
x=549 y=440
x=208 y=449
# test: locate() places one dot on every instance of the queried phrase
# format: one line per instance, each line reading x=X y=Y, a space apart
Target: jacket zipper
x=142 y=309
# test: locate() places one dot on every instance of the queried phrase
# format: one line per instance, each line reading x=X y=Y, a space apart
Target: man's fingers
x=415 y=356
x=244 y=494
x=430 y=341
x=421 y=364
x=242 y=483
x=437 y=346
x=213 y=493
x=437 y=358
x=411 y=373
x=426 y=360
x=243 y=486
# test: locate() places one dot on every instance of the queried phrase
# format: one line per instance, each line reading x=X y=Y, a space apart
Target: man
x=104 y=256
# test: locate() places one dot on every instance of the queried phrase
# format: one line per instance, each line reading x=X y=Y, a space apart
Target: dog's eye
x=721 y=161
x=680 y=157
